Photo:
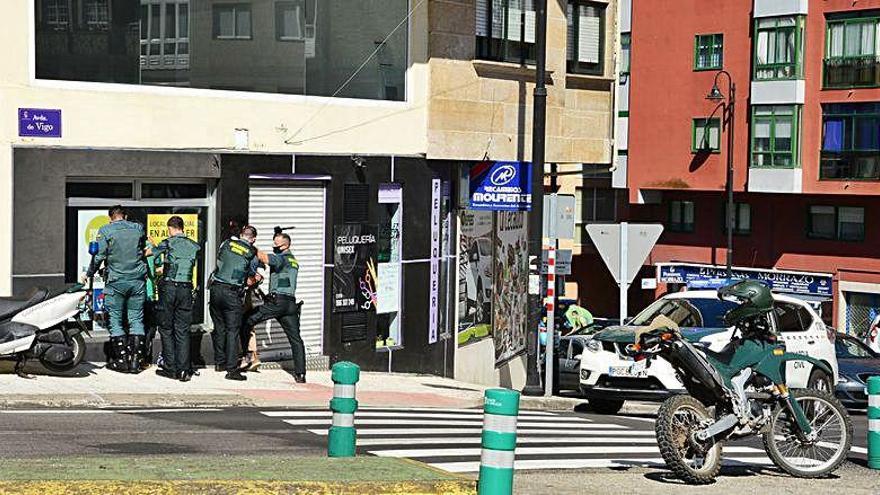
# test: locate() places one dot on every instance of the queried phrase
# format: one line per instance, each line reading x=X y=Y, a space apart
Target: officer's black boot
x=136 y=346
x=117 y=354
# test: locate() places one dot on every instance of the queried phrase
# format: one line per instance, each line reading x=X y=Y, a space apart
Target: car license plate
x=635 y=370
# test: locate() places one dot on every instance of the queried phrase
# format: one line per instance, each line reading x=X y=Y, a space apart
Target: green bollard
x=498 y=442
x=341 y=440
x=874 y=422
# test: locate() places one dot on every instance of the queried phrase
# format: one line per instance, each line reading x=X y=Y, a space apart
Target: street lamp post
x=727 y=113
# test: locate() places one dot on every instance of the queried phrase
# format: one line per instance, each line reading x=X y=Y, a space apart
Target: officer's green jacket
x=235 y=261
x=283 y=271
x=178 y=254
x=121 y=247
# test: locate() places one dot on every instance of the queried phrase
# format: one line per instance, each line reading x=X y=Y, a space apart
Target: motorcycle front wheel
x=821 y=455
x=679 y=417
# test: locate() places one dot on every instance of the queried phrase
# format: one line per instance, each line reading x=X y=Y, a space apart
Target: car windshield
x=693 y=312
x=849 y=348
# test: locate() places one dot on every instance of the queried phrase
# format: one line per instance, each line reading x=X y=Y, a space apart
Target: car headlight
x=843 y=380
x=593 y=345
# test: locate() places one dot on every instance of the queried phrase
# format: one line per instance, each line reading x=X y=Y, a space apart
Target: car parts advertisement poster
x=512 y=273
x=475 y=276
x=354 y=268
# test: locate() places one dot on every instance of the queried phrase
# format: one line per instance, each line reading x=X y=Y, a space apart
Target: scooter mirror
x=93 y=248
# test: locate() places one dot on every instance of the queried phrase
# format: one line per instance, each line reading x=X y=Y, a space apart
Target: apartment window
x=851 y=52
x=779 y=48
x=586 y=37
x=681 y=216
x=774 y=136
x=842 y=223
x=625 y=52
x=708 y=51
x=232 y=21
x=96 y=14
x=164 y=28
x=706 y=135
x=56 y=13
x=742 y=219
x=505 y=30
x=149 y=43
x=850 y=141
x=290 y=21
x=593 y=205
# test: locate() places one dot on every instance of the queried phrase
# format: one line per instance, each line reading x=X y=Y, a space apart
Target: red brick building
x=806 y=151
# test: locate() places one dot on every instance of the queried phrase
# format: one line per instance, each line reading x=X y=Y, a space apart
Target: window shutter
x=530 y=20
x=588 y=35
x=514 y=20
x=482 y=18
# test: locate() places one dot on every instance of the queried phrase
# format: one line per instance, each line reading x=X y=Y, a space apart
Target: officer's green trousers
x=125 y=298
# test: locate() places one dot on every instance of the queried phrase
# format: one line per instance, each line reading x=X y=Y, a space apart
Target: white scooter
x=45 y=326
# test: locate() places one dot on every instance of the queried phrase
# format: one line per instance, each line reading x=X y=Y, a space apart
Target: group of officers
x=123 y=249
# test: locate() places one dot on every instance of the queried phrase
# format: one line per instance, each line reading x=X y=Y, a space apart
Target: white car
x=872 y=338
x=607 y=380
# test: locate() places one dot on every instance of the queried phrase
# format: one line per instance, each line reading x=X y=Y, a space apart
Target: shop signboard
x=434 y=297
x=501 y=186
x=784 y=281
x=354 y=268
x=39 y=122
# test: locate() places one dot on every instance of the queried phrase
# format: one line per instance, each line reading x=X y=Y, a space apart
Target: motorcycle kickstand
x=20 y=363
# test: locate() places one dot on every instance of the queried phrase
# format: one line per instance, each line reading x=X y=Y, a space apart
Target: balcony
x=850 y=165
x=852 y=72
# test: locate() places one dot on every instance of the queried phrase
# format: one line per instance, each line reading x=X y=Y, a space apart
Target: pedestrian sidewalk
x=93 y=386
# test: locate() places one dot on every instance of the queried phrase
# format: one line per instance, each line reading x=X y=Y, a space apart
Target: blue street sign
x=501 y=186
x=39 y=122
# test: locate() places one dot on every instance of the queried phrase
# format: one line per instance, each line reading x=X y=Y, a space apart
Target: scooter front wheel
x=79 y=352
x=695 y=463
x=822 y=453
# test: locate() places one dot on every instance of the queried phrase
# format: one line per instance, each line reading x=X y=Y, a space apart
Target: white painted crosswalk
x=449 y=439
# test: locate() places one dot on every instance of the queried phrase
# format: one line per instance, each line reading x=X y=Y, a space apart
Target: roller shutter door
x=301 y=205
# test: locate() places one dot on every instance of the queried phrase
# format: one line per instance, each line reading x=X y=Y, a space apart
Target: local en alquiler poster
x=354 y=268
x=475 y=274
x=511 y=283
x=157 y=231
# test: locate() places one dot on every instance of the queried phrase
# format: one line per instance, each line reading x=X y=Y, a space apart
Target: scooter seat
x=9 y=306
x=11 y=331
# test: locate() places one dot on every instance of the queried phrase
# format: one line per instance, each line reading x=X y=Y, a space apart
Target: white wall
x=120 y=116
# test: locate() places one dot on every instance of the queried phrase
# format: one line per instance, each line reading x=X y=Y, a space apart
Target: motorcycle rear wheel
x=79 y=351
x=816 y=459
x=679 y=417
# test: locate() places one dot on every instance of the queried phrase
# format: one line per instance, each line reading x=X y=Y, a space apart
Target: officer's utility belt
x=274 y=296
x=176 y=284
x=227 y=286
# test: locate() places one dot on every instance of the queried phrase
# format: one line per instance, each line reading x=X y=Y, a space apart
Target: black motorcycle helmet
x=752 y=297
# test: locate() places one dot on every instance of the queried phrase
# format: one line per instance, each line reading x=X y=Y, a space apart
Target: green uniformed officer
x=121 y=247
x=236 y=261
x=281 y=301
x=178 y=255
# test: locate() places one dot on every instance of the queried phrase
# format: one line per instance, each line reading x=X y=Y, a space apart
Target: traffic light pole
x=533 y=379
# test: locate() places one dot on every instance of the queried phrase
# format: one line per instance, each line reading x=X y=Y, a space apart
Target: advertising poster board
x=354 y=268
x=88 y=224
x=157 y=231
x=512 y=273
x=475 y=276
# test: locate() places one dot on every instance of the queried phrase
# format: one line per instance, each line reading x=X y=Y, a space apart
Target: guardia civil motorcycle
x=741 y=392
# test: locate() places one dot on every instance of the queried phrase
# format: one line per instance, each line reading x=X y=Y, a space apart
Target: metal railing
x=848 y=72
